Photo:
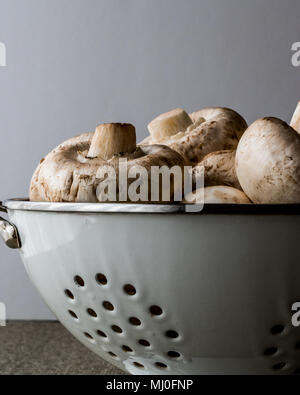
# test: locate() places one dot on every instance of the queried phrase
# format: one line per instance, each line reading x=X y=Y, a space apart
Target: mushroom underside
x=69 y=174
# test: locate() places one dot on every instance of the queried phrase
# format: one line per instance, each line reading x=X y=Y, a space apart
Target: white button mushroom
x=70 y=172
x=219 y=169
x=218 y=195
x=168 y=124
x=210 y=129
x=295 y=122
x=239 y=125
x=268 y=162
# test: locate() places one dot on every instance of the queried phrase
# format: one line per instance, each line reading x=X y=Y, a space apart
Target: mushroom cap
x=295 y=121
x=268 y=162
x=213 y=129
x=209 y=136
x=53 y=180
x=67 y=174
x=220 y=195
x=37 y=190
x=214 y=113
x=219 y=169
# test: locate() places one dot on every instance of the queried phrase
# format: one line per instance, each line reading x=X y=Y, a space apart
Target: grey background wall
x=74 y=63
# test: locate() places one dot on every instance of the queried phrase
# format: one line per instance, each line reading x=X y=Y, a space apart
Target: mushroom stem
x=219 y=169
x=295 y=122
x=169 y=123
x=111 y=139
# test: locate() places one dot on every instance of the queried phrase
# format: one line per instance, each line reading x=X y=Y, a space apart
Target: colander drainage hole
x=69 y=294
x=144 y=343
x=116 y=329
x=112 y=354
x=129 y=289
x=161 y=365
x=127 y=348
x=79 y=281
x=270 y=351
x=279 y=366
x=138 y=365
x=72 y=314
x=297 y=346
x=86 y=334
x=277 y=329
x=101 y=279
x=101 y=333
x=172 y=334
x=91 y=312
x=156 y=310
x=108 y=306
x=174 y=354
x=134 y=321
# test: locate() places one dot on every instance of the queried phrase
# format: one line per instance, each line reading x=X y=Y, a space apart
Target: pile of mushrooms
x=206 y=138
x=257 y=164
x=242 y=165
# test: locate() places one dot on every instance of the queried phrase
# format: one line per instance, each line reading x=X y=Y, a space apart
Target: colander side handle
x=9 y=231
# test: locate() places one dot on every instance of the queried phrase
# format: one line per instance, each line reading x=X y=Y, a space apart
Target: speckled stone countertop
x=41 y=347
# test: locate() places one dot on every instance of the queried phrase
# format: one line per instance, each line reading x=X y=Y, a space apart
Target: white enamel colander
x=155 y=290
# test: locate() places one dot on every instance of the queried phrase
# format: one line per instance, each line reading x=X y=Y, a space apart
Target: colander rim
x=25 y=205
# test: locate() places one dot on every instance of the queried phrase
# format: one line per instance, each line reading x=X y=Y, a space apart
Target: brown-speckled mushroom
x=295 y=122
x=70 y=172
x=218 y=195
x=268 y=162
x=219 y=169
x=195 y=136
